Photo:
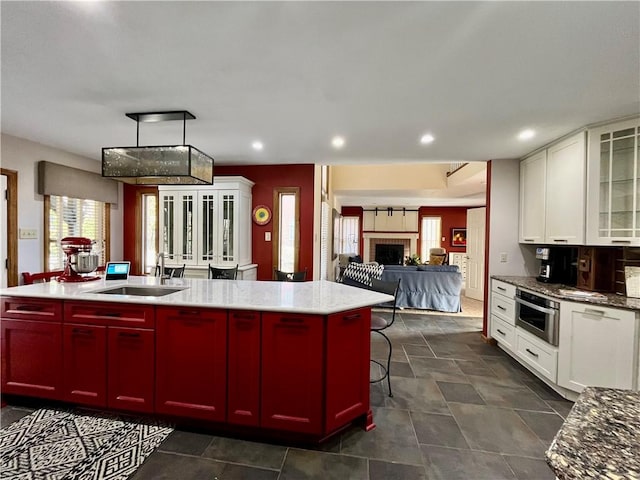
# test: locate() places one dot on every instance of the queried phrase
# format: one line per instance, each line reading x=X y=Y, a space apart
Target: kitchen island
x=286 y=358
x=600 y=437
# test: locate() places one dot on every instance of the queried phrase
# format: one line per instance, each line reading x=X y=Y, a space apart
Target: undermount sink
x=140 y=291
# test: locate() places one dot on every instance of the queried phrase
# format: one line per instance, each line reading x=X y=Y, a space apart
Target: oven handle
x=549 y=311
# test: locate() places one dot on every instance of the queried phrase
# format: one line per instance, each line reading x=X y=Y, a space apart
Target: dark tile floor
x=461 y=410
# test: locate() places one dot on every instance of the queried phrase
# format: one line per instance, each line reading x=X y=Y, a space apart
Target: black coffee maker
x=557 y=265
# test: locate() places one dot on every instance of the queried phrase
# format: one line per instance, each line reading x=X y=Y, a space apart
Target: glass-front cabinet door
x=167 y=225
x=218 y=231
x=178 y=227
x=613 y=195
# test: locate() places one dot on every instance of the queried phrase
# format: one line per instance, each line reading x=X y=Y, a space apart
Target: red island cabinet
x=109 y=361
x=130 y=369
x=31 y=331
x=85 y=364
x=292 y=372
x=347 y=357
x=243 y=383
x=191 y=362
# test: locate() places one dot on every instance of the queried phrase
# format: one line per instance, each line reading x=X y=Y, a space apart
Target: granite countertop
x=318 y=297
x=554 y=290
x=600 y=437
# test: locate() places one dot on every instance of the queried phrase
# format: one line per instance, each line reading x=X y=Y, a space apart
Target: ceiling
x=294 y=74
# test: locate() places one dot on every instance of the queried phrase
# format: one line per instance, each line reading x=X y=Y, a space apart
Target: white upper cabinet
x=565 y=195
x=395 y=220
x=552 y=194
x=202 y=225
x=613 y=180
x=533 y=179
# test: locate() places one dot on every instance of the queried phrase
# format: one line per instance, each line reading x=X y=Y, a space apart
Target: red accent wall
x=129 y=226
x=452 y=217
x=267 y=178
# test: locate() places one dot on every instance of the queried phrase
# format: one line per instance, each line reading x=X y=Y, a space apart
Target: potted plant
x=412 y=260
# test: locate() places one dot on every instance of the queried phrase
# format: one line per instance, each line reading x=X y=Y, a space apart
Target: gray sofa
x=430 y=287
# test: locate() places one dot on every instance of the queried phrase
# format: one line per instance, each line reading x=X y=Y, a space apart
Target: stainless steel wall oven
x=538 y=315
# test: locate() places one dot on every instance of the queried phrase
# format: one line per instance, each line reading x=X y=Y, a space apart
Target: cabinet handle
x=129 y=334
x=593 y=311
x=244 y=316
x=292 y=320
x=81 y=331
x=29 y=308
x=501 y=308
x=561 y=240
x=531 y=353
x=188 y=312
x=528 y=239
x=620 y=241
x=109 y=314
x=502 y=289
x=353 y=316
x=500 y=332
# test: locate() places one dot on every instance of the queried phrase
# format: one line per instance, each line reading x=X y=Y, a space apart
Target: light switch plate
x=27 y=233
x=503 y=257
x=267 y=236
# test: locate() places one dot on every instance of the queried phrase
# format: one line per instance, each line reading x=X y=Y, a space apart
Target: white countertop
x=318 y=297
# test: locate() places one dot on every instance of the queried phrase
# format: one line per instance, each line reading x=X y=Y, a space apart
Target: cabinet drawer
x=503 y=307
x=543 y=358
x=502 y=332
x=503 y=288
x=43 y=310
x=110 y=314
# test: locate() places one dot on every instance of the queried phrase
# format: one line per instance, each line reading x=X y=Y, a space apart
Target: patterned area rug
x=52 y=444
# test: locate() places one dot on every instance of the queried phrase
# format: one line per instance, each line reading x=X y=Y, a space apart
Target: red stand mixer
x=79 y=260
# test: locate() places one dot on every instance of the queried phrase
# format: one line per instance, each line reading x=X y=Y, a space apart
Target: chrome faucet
x=160 y=263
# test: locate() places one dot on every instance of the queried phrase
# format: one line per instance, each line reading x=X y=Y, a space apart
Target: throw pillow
x=363 y=272
x=436 y=259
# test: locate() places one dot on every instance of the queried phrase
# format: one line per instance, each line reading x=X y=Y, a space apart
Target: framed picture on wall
x=458 y=237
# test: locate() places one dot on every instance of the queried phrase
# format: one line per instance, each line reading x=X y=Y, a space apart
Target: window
x=350 y=238
x=324 y=241
x=74 y=217
x=149 y=232
x=286 y=218
x=431 y=234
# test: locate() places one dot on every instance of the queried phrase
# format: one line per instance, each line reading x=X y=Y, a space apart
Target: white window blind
x=324 y=241
x=431 y=234
x=74 y=217
x=350 y=241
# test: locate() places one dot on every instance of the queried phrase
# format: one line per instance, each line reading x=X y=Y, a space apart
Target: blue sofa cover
x=430 y=287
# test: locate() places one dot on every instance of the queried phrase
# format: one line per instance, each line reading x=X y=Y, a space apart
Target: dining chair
x=290 y=276
x=223 y=273
x=379 y=323
x=172 y=272
x=40 y=277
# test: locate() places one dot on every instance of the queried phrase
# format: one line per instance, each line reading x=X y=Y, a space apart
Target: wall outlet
x=27 y=233
x=503 y=257
x=267 y=236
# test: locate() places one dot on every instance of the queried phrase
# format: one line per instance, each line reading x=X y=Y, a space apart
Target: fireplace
x=389 y=254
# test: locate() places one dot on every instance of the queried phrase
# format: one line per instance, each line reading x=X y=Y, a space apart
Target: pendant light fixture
x=158 y=165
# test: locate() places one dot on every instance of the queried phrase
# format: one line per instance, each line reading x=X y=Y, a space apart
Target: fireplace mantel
x=409 y=240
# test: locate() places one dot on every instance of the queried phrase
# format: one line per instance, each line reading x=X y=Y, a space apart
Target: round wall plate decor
x=261 y=215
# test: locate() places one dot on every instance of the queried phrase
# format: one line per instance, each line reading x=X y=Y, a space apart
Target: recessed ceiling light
x=526 y=134
x=337 y=142
x=257 y=145
x=426 y=138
